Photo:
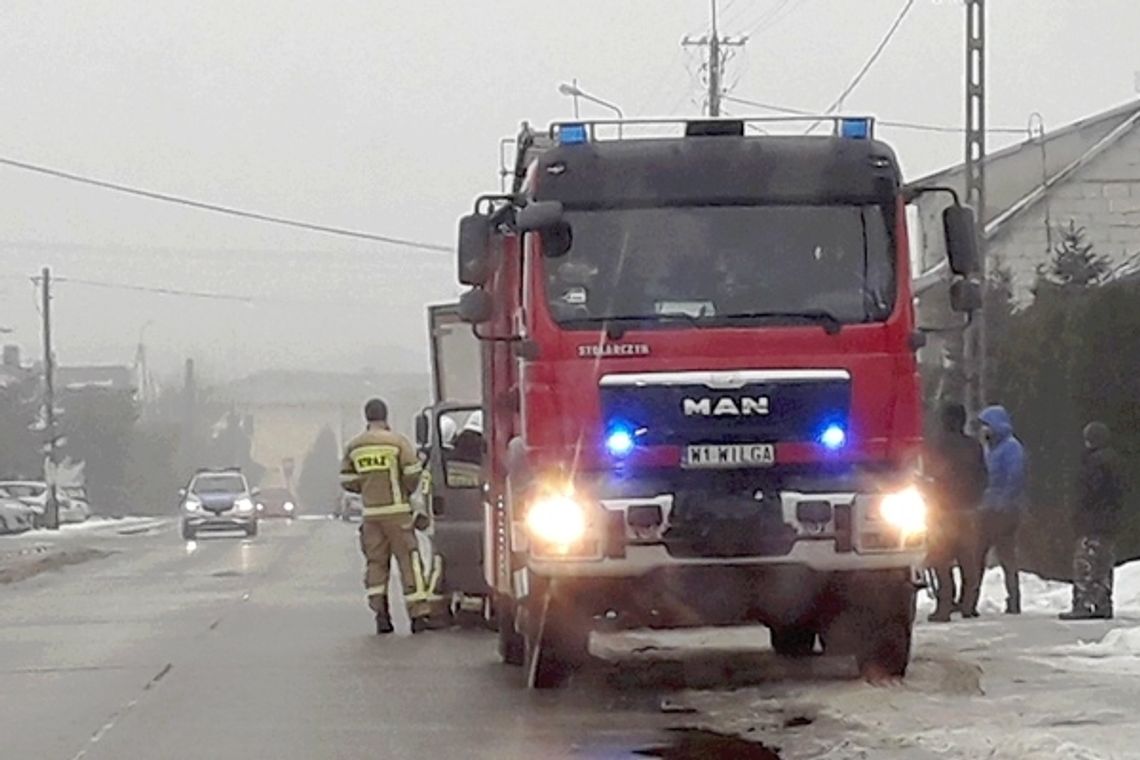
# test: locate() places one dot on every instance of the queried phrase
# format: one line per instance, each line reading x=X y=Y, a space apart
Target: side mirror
x=961 y=239
x=255 y=492
x=476 y=307
x=182 y=492
x=538 y=216
x=965 y=296
x=423 y=431
x=474 y=249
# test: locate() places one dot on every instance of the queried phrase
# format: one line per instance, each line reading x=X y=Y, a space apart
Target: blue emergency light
x=621 y=439
x=833 y=437
x=573 y=134
x=855 y=129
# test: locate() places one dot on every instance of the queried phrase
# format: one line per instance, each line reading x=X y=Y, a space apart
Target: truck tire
x=873 y=621
x=556 y=647
x=187 y=532
x=251 y=531
x=793 y=641
x=512 y=645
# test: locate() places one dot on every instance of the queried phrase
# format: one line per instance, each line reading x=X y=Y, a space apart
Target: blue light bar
x=573 y=134
x=855 y=129
x=833 y=437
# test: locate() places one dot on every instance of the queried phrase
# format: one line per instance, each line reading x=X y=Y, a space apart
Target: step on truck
x=700 y=386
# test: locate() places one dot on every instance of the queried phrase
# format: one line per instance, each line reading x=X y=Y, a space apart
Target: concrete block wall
x=1103 y=197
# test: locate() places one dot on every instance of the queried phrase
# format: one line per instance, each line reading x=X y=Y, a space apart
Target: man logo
x=726 y=406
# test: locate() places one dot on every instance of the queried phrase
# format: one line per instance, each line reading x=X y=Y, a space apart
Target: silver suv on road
x=218 y=500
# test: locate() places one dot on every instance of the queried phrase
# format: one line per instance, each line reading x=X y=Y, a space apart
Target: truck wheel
x=556 y=647
x=512 y=646
x=187 y=532
x=251 y=531
x=793 y=641
x=873 y=622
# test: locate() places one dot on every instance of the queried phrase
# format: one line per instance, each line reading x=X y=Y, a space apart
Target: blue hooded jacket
x=1005 y=462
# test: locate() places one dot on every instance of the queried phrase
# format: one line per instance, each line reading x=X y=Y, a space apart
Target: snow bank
x=1039 y=596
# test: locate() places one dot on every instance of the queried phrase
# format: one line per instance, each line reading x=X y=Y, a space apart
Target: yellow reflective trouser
x=381 y=540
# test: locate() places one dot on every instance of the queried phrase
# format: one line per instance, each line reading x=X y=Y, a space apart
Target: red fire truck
x=700 y=386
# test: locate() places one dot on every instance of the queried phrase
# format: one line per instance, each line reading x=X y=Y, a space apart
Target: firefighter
x=383 y=468
x=465 y=460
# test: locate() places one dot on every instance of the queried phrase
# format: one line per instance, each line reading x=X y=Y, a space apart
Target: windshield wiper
x=614 y=325
x=830 y=323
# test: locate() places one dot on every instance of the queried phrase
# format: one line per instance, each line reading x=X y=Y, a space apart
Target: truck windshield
x=724 y=265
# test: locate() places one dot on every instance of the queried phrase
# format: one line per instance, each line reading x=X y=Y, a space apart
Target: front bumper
x=225 y=521
x=821 y=532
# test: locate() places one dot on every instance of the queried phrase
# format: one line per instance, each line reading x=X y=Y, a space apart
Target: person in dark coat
x=956 y=481
x=1003 y=501
x=1095 y=522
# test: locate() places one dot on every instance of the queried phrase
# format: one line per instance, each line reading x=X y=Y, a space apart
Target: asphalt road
x=235 y=648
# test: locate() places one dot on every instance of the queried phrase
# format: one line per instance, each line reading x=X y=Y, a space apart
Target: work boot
x=383 y=624
x=1012 y=607
x=1086 y=614
x=939 y=616
x=420 y=624
x=970 y=614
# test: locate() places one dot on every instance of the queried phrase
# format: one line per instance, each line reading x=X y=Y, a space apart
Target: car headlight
x=905 y=510
x=243 y=505
x=192 y=505
x=556 y=519
x=289 y=506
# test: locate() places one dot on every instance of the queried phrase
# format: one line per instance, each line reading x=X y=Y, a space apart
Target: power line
x=918 y=126
x=894 y=27
x=153 y=195
x=150 y=289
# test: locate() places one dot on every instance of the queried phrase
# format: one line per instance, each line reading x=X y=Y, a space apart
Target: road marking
x=121 y=713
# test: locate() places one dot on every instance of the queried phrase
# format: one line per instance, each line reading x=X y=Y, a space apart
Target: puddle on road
x=702 y=744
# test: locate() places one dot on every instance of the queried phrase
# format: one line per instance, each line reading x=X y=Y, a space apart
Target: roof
x=1014 y=175
x=306 y=388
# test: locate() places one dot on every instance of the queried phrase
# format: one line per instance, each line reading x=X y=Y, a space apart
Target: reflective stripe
x=346 y=477
x=376 y=591
x=436 y=576
x=391 y=509
x=413 y=469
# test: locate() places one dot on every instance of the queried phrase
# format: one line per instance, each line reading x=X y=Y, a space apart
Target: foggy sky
x=385 y=116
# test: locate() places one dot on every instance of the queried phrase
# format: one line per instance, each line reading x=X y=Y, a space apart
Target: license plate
x=730 y=455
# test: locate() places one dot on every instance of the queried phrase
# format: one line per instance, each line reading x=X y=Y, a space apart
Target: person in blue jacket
x=1004 y=500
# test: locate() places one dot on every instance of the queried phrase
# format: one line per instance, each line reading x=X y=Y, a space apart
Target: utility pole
x=975 y=338
x=719 y=49
x=52 y=507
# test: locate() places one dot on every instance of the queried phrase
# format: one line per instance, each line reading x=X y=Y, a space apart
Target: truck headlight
x=192 y=505
x=243 y=505
x=559 y=520
x=904 y=510
x=289 y=506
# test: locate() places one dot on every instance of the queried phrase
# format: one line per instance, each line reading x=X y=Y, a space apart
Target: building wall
x=1103 y=197
x=287 y=431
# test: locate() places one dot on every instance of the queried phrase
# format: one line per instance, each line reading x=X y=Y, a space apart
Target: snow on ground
x=95 y=524
x=1027 y=687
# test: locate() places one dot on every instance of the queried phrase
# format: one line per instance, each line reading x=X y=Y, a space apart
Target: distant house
x=1087 y=173
x=289 y=409
x=12 y=369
